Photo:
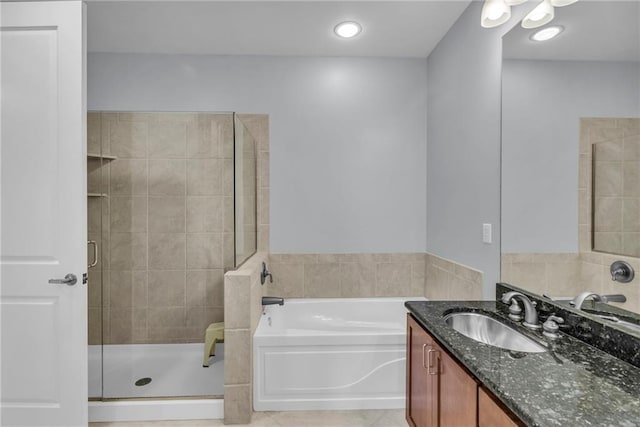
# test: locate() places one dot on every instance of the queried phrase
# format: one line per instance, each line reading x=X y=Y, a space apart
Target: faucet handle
x=614 y=298
x=621 y=271
x=264 y=274
x=550 y=327
x=505 y=298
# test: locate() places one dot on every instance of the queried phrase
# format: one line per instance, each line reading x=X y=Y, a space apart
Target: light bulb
x=348 y=29
x=494 y=13
x=541 y=15
x=561 y=3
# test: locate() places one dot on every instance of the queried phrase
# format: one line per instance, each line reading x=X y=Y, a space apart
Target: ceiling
x=594 y=31
x=390 y=28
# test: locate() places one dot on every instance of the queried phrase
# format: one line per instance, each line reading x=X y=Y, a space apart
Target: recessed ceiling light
x=547 y=33
x=348 y=29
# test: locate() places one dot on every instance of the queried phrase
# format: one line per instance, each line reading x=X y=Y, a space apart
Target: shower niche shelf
x=94 y=156
x=97 y=195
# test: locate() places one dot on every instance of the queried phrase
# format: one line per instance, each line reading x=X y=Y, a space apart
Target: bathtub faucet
x=272 y=301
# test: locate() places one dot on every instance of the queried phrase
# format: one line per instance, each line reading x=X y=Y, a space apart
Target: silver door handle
x=70 y=279
x=429 y=353
x=95 y=253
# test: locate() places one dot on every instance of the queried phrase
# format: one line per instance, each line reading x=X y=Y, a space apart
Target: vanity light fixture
x=541 y=15
x=562 y=3
x=497 y=12
x=547 y=33
x=494 y=13
x=347 y=30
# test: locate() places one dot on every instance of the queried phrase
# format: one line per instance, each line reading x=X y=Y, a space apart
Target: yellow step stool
x=214 y=334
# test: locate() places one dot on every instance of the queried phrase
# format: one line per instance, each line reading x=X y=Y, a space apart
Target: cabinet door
x=457 y=391
x=491 y=414
x=421 y=403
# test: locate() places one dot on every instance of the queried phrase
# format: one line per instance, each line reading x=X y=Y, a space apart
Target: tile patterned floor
x=375 y=418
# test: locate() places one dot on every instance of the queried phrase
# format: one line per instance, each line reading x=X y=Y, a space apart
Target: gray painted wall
x=347 y=136
x=463 y=143
x=542 y=104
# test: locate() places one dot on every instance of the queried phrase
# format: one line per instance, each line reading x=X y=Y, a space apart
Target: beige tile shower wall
x=347 y=275
x=448 y=280
x=617 y=193
x=169 y=228
x=243 y=308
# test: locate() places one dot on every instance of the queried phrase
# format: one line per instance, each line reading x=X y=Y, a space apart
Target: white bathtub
x=315 y=354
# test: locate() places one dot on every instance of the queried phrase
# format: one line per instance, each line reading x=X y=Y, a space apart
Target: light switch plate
x=486 y=233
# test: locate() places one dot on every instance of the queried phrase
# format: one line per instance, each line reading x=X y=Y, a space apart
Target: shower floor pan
x=175 y=370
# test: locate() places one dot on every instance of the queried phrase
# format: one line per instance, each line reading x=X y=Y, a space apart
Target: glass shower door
x=97 y=221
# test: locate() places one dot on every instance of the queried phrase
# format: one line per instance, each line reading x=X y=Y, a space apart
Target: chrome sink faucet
x=530 y=313
x=579 y=300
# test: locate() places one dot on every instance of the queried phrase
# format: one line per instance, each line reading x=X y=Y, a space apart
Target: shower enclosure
x=171 y=208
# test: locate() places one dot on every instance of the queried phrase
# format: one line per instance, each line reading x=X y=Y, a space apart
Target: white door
x=43 y=233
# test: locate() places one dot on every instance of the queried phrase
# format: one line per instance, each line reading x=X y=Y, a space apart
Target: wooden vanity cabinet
x=441 y=393
x=492 y=413
x=421 y=388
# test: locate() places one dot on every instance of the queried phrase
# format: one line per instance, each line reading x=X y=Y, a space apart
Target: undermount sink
x=488 y=330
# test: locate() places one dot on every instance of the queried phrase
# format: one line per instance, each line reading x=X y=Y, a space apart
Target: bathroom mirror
x=566 y=102
x=616 y=194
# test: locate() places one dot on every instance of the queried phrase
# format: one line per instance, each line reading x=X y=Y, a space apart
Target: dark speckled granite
x=573 y=384
x=599 y=333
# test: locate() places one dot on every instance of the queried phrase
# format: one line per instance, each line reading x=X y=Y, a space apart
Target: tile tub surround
x=243 y=308
x=567 y=275
x=449 y=280
x=541 y=273
x=573 y=384
x=168 y=227
x=372 y=275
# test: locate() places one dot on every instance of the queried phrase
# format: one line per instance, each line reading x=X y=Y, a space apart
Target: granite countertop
x=572 y=384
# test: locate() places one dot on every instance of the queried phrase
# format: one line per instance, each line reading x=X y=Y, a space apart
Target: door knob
x=70 y=279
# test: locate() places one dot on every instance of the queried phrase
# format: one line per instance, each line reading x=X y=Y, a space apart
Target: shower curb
x=156 y=410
